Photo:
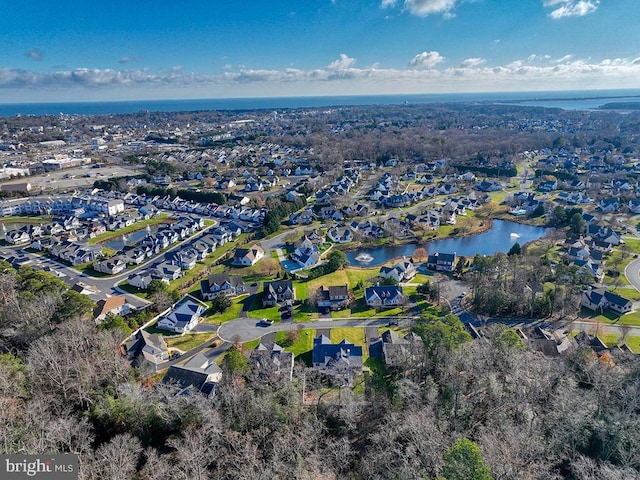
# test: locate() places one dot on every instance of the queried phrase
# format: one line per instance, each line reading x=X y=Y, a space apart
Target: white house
x=184 y=316
x=248 y=256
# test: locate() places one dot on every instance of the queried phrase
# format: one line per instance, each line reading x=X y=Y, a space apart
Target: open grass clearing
x=302 y=344
x=189 y=341
x=229 y=314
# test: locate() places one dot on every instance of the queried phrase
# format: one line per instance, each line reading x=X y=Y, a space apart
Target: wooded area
x=469 y=409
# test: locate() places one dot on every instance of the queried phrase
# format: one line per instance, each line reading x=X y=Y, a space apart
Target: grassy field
x=187 y=342
x=232 y=312
x=249 y=346
x=633 y=244
x=338 y=277
x=303 y=344
x=133 y=290
x=612 y=318
x=354 y=335
x=33 y=220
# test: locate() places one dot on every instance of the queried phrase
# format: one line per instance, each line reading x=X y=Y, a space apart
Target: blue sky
x=139 y=49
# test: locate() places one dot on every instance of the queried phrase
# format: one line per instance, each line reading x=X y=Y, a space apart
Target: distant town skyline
x=66 y=51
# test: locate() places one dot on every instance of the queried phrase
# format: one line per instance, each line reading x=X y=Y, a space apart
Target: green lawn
x=354 y=335
x=189 y=341
x=249 y=346
x=34 y=220
x=301 y=290
x=612 y=318
x=420 y=279
x=232 y=312
x=103 y=237
x=355 y=275
x=632 y=243
x=303 y=344
x=133 y=290
x=339 y=277
x=255 y=309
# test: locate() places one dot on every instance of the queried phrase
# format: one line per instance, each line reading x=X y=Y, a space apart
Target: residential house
x=273 y=363
x=382 y=296
x=200 y=373
x=277 y=292
x=16 y=237
x=113 y=305
x=598 y=299
x=168 y=271
x=549 y=342
x=186 y=259
x=340 y=234
x=342 y=360
x=248 y=256
x=402 y=271
x=111 y=266
x=609 y=205
x=307 y=254
x=140 y=280
x=441 y=262
x=149 y=348
x=222 y=284
x=333 y=297
x=398 y=351
x=184 y=315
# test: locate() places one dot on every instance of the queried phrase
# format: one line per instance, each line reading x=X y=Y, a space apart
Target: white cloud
x=571 y=8
x=422 y=8
x=342 y=63
x=473 y=62
x=340 y=77
x=564 y=59
x=35 y=54
x=128 y=59
x=426 y=60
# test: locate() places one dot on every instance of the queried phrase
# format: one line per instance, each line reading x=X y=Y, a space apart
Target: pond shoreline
x=496 y=235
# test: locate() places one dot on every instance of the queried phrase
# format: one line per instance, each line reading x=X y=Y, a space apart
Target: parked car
x=265 y=322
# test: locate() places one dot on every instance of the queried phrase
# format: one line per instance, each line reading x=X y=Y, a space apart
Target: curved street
x=632 y=272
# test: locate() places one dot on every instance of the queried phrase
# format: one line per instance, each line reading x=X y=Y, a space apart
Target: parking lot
x=72 y=178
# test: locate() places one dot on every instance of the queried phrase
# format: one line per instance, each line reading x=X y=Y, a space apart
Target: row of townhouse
x=63 y=204
x=74 y=253
x=181 y=260
x=152 y=244
x=235 y=212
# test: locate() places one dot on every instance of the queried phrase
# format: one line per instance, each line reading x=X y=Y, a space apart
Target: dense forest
x=467 y=409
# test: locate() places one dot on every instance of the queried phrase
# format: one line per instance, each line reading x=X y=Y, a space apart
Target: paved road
x=247 y=329
x=632 y=272
x=108 y=285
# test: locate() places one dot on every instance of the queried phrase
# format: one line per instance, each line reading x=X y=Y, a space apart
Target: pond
x=500 y=238
x=132 y=238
